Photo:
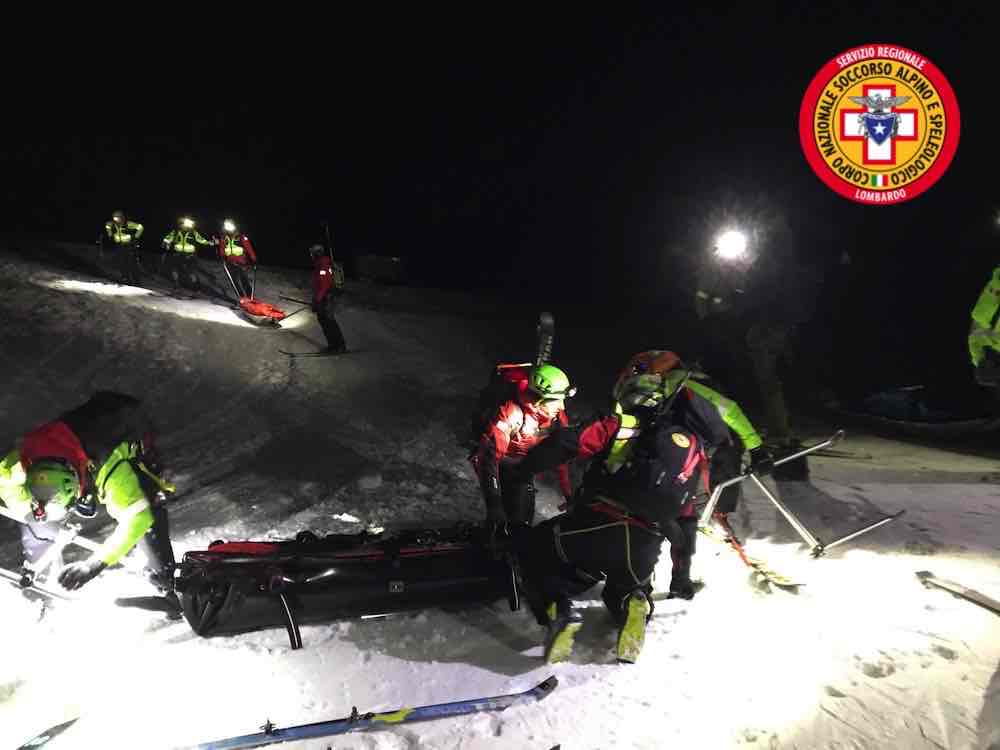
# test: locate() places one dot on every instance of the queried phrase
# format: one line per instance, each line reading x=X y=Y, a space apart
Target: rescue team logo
x=680 y=440
x=879 y=124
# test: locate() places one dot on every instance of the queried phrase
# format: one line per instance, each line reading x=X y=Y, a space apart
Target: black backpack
x=660 y=476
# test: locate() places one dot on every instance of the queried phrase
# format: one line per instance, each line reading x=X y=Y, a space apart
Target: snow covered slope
x=260 y=446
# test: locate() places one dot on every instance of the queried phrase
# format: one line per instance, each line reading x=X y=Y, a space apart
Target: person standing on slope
x=237 y=253
x=327 y=284
x=182 y=245
x=125 y=236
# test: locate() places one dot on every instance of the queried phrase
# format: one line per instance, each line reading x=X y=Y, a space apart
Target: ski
x=764 y=575
x=272 y=735
x=320 y=353
x=970 y=595
x=40 y=740
x=828 y=453
x=546 y=336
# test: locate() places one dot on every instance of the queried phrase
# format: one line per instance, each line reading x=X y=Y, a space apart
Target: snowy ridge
x=862 y=657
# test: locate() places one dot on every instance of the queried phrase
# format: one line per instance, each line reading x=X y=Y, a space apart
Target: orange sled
x=261 y=313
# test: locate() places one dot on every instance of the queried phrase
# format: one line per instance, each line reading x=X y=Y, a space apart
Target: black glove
x=77 y=574
x=761 y=460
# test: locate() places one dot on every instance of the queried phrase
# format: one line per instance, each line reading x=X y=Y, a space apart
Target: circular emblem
x=879 y=124
x=681 y=440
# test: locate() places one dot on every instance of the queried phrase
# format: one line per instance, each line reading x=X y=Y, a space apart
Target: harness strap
x=613 y=510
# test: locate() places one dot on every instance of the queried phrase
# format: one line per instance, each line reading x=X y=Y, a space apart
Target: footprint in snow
x=878 y=669
x=944 y=652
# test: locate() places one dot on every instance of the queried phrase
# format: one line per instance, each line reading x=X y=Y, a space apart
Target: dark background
x=575 y=157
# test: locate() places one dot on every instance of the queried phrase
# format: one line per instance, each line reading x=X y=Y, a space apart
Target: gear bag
x=237 y=587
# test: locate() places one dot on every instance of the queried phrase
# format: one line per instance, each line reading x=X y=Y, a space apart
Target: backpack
x=657 y=479
x=507 y=382
x=337 y=274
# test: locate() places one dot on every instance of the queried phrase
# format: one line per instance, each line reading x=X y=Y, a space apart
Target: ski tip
x=44 y=738
x=546 y=686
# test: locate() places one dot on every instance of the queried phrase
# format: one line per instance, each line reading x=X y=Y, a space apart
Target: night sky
x=565 y=154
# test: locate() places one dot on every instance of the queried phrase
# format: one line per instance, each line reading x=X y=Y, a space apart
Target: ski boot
x=163 y=581
x=563 y=622
x=633 y=632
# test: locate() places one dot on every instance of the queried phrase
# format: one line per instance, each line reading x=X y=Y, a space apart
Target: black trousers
x=327 y=321
x=564 y=556
x=184 y=270
x=518 y=496
x=726 y=463
x=240 y=278
x=127 y=262
x=155 y=545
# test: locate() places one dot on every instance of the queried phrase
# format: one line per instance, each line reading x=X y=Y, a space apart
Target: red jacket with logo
x=516 y=429
x=322 y=279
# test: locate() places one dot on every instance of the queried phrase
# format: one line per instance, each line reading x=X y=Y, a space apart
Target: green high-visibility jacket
x=984 y=333
x=185 y=241
x=123 y=234
x=728 y=409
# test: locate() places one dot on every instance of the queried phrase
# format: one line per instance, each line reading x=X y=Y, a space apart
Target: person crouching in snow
x=327 y=283
x=100 y=451
x=649 y=457
x=518 y=425
x=238 y=254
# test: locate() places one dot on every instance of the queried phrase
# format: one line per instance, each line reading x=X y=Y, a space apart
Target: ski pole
x=329 y=242
x=13 y=577
x=230 y=277
x=253 y=282
x=706 y=515
x=816 y=547
x=294 y=313
x=296 y=301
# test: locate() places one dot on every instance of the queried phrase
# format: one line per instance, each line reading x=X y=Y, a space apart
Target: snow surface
x=261 y=447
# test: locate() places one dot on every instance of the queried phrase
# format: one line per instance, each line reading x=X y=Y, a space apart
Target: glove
x=761 y=460
x=76 y=575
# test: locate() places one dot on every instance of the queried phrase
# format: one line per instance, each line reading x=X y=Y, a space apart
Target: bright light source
x=228 y=225
x=187 y=223
x=731 y=245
